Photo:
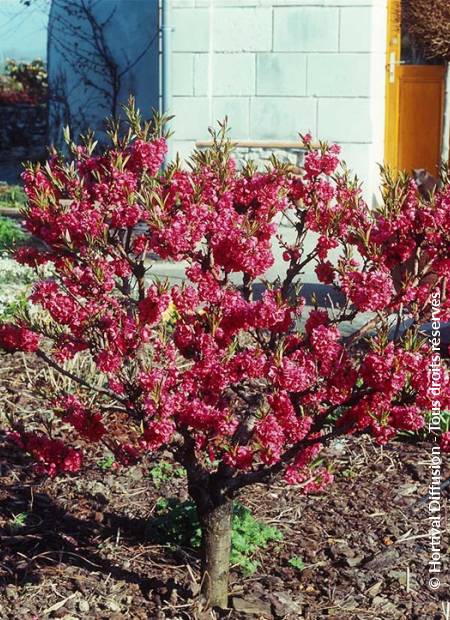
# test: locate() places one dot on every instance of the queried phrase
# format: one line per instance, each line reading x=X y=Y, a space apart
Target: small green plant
x=12 y=196
x=297 y=562
x=10 y=233
x=17 y=522
x=349 y=473
x=162 y=503
x=106 y=462
x=177 y=523
x=247 y=537
x=164 y=471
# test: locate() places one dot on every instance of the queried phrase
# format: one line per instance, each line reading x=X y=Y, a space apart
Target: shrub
x=223 y=378
x=10 y=233
x=11 y=196
x=428 y=23
x=30 y=79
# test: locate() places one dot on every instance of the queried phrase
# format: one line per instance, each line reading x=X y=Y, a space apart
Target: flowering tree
x=229 y=381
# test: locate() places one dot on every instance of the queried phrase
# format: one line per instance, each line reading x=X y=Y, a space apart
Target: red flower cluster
x=368 y=291
x=52 y=456
x=229 y=376
x=445 y=442
x=89 y=424
x=17 y=338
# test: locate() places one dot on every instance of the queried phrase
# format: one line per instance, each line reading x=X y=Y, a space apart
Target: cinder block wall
x=279 y=67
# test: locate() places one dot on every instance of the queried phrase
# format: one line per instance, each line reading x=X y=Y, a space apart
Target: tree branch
x=82 y=382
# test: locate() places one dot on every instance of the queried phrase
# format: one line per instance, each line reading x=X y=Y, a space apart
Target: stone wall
x=23 y=136
x=22 y=126
x=260 y=152
x=279 y=67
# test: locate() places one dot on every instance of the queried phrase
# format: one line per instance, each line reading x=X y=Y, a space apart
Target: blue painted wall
x=99 y=53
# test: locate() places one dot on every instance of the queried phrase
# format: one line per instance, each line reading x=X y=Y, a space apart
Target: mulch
x=84 y=551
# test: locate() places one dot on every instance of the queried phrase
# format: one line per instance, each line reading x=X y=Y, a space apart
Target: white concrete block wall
x=280 y=67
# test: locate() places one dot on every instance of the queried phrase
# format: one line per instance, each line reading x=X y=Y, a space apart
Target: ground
x=361 y=547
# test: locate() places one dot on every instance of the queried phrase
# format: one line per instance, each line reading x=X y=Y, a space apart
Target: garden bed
x=72 y=547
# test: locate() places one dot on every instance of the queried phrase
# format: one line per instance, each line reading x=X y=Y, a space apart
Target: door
x=414 y=102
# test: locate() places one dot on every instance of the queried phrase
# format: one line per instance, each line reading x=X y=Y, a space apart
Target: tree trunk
x=215 y=522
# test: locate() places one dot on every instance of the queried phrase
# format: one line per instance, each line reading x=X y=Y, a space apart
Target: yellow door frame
x=393 y=53
x=414 y=105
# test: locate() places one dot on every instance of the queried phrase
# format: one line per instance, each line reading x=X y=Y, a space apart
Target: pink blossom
x=445 y=441
x=52 y=456
x=325 y=272
x=89 y=424
x=369 y=291
x=240 y=457
x=147 y=155
x=17 y=338
x=152 y=307
x=158 y=433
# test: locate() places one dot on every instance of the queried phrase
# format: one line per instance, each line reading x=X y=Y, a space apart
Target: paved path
x=322 y=292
